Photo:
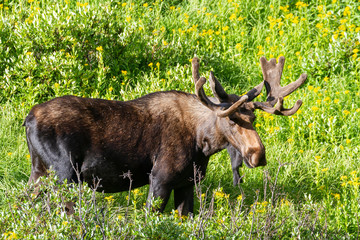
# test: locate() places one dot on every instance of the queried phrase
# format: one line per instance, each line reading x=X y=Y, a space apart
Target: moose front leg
x=158 y=189
x=236 y=162
x=184 y=199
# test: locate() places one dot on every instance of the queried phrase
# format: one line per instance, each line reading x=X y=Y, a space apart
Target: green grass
x=124 y=50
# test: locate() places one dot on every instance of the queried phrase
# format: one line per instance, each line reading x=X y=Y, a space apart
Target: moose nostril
x=262 y=161
x=257 y=157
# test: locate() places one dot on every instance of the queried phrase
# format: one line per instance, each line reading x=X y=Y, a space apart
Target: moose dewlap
x=158 y=138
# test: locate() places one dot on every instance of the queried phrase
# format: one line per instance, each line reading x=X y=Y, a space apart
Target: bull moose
x=158 y=138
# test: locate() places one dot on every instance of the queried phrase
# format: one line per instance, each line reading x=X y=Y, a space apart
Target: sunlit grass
x=124 y=50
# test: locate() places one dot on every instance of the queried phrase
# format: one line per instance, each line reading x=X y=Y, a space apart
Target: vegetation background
x=125 y=49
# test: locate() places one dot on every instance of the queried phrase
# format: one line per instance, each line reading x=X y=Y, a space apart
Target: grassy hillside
x=123 y=50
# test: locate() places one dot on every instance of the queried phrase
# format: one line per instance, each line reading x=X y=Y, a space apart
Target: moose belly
x=115 y=176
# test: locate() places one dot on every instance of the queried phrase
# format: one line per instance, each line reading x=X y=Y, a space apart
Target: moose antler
x=195 y=69
x=275 y=93
x=222 y=96
x=199 y=91
x=217 y=89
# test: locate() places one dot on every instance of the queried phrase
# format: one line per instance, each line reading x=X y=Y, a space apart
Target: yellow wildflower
x=10 y=235
x=285 y=8
x=109 y=198
x=295 y=20
x=336 y=196
x=232 y=17
x=300 y=5
x=238 y=46
x=347 y=11
x=219 y=194
x=346 y=112
x=314 y=108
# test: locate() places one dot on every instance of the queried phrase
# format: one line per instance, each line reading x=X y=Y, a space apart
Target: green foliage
x=123 y=50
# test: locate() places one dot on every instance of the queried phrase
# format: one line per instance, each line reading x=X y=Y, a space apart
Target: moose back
x=158 y=138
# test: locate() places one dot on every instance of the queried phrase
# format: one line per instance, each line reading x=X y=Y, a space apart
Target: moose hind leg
x=184 y=200
x=38 y=169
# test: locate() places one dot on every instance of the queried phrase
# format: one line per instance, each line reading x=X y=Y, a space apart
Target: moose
x=158 y=138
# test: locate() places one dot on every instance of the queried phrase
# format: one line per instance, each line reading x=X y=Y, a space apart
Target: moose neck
x=209 y=139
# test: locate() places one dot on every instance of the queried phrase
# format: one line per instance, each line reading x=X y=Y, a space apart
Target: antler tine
x=195 y=69
x=199 y=91
x=272 y=75
x=233 y=108
x=253 y=93
x=294 y=85
x=217 y=89
x=279 y=109
x=275 y=93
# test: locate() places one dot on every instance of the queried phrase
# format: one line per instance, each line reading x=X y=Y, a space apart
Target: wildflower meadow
x=122 y=50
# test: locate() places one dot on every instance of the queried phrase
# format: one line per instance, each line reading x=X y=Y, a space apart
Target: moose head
x=238 y=111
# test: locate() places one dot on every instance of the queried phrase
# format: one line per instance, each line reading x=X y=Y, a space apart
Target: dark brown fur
x=158 y=138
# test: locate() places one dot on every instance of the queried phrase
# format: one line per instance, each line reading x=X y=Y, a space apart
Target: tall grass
x=123 y=50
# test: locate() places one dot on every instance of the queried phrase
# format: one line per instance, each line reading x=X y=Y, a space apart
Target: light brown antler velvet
x=195 y=69
x=275 y=93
